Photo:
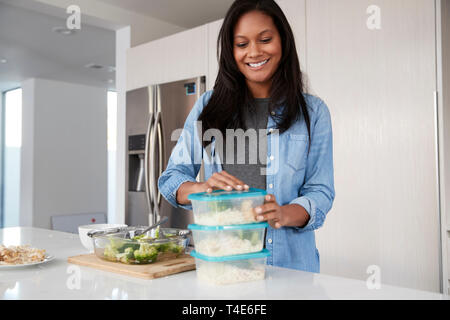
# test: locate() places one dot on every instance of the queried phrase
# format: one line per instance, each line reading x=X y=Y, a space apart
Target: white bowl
x=87 y=241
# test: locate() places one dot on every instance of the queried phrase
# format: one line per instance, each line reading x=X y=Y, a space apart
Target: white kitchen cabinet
x=379 y=84
x=180 y=56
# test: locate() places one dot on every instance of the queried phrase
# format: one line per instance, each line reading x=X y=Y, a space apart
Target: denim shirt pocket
x=297 y=151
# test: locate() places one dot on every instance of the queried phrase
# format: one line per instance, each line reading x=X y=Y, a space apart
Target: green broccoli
x=126 y=246
x=110 y=252
x=162 y=247
x=139 y=237
x=175 y=248
x=115 y=243
x=146 y=253
x=129 y=252
x=121 y=245
x=255 y=238
x=169 y=247
x=124 y=258
x=127 y=256
x=252 y=236
x=240 y=234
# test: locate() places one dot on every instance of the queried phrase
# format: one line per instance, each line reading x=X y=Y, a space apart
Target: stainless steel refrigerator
x=152 y=114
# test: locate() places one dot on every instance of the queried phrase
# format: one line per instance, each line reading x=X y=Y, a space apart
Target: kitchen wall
x=64 y=151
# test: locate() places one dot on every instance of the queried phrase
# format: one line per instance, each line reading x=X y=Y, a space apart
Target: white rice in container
x=222 y=273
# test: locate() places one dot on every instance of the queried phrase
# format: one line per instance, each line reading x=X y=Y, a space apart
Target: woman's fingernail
x=267 y=197
x=239 y=187
x=259 y=218
x=228 y=188
x=258 y=210
x=246 y=187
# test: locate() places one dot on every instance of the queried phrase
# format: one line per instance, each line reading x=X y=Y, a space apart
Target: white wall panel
x=443 y=59
x=379 y=87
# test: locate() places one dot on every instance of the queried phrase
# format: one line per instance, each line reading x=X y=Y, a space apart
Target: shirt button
x=270 y=186
x=272 y=113
x=269 y=240
x=272 y=158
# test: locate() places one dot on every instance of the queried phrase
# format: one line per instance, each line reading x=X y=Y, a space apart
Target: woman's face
x=257 y=48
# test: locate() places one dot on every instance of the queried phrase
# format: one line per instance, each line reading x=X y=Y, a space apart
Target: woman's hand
x=291 y=215
x=219 y=180
x=223 y=180
x=271 y=212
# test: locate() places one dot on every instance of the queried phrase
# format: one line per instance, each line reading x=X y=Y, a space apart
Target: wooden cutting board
x=147 y=271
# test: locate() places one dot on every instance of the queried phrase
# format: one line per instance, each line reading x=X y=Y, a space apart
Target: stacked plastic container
x=228 y=240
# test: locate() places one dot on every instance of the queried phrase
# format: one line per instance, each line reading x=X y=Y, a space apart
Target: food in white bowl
x=86 y=240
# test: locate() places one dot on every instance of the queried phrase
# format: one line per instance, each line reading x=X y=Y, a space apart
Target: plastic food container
x=231 y=269
x=113 y=246
x=219 y=241
x=222 y=208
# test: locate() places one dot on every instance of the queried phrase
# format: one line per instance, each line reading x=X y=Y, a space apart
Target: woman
x=259 y=86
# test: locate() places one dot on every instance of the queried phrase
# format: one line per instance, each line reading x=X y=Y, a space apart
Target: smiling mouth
x=257 y=65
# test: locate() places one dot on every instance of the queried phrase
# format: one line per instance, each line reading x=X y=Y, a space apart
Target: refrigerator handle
x=153 y=168
x=161 y=156
x=146 y=166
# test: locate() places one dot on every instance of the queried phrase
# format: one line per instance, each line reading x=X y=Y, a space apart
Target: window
x=112 y=138
x=12 y=143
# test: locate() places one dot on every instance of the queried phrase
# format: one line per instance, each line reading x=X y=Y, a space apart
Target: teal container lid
x=219 y=195
x=260 y=225
x=261 y=254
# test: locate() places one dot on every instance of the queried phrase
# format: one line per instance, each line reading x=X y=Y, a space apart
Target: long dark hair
x=230 y=95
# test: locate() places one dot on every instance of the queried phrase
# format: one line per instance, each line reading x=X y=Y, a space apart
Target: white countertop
x=58 y=279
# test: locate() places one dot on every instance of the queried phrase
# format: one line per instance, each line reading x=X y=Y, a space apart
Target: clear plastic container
x=222 y=208
x=231 y=269
x=219 y=241
x=112 y=245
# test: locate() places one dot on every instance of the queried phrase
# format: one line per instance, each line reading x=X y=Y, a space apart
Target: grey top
x=248 y=162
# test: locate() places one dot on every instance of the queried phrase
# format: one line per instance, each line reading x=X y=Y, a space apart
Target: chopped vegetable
x=138 y=253
x=146 y=253
x=110 y=252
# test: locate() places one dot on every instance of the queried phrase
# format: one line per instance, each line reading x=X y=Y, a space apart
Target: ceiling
x=183 y=13
x=32 y=49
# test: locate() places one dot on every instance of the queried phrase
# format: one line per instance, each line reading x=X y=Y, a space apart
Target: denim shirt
x=293 y=176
